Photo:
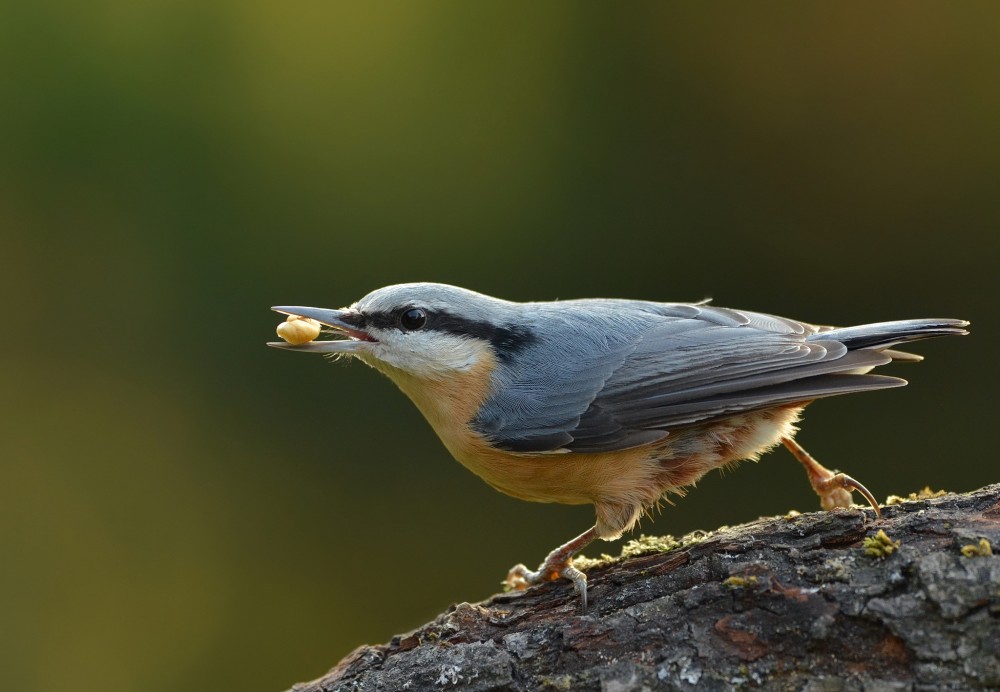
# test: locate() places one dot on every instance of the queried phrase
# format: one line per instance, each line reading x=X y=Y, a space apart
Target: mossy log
x=800 y=602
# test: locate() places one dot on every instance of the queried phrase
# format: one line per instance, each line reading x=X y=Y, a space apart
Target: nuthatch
x=609 y=402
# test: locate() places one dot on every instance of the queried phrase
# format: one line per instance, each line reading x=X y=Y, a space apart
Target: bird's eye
x=413 y=319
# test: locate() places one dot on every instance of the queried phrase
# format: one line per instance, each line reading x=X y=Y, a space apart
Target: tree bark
x=784 y=603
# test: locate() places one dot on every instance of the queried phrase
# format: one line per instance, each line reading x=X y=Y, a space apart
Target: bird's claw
x=835 y=491
x=834 y=488
x=557 y=565
x=520 y=577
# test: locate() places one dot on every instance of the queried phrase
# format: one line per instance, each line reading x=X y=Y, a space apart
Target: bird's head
x=426 y=330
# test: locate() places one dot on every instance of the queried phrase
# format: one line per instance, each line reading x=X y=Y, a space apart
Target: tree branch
x=779 y=603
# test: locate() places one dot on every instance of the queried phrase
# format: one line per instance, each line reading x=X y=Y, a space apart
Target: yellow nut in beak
x=298 y=330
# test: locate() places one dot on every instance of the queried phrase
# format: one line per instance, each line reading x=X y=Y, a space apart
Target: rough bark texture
x=785 y=603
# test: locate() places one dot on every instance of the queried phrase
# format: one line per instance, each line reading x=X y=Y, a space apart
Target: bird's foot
x=834 y=488
x=835 y=491
x=558 y=565
x=520 y=577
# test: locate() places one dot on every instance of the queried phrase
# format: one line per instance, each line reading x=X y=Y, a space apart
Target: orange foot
x=834 y=489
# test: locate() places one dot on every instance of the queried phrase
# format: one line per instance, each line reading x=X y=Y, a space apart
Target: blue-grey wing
x=667 y=368
x=538 y=398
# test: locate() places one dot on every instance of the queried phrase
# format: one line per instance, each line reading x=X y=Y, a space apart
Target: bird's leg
x=556 y=565
x=834 y=488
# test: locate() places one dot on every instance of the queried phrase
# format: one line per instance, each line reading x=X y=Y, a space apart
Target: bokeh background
x=182 y=508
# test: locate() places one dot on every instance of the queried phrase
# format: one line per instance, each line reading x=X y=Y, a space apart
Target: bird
x=611 y=402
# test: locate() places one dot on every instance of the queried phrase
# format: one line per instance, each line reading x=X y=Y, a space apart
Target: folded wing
x=688 y=365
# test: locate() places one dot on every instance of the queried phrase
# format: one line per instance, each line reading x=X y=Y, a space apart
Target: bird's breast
x=450 y=405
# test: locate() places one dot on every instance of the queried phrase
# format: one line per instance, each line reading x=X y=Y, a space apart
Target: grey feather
x=630 y=371
x=885 y=334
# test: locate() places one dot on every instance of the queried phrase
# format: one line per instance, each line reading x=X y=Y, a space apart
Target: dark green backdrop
x=182 y=508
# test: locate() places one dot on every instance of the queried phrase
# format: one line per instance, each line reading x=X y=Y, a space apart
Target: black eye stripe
x=506 y=340
x=391 y=319
x=379 y=320
x=355 y=319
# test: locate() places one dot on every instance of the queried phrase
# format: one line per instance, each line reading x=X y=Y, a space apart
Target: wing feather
x=656 y=367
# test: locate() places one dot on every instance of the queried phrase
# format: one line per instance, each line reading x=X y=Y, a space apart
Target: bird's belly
x=629 y=477
x=637 y=476
x=571 y=479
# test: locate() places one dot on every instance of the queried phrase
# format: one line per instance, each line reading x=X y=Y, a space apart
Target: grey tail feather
x=883 y=335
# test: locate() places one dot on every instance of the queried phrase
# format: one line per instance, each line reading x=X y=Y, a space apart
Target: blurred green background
x=182 y=508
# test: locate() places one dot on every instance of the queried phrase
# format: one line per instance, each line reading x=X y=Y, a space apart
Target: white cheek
x=430 y=354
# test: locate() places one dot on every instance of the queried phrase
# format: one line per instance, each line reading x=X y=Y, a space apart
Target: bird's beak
x=340 y=320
